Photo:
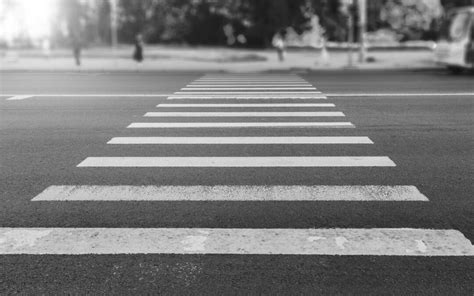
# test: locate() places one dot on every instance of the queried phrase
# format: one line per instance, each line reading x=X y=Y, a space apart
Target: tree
x=410 y=18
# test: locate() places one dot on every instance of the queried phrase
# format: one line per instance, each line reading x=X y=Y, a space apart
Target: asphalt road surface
x=247 y=227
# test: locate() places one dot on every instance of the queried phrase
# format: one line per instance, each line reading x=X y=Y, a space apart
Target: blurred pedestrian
x=138 y=53
x=76 y=49
x=279 y=43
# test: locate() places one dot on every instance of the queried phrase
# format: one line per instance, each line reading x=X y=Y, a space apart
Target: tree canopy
x=250 y=23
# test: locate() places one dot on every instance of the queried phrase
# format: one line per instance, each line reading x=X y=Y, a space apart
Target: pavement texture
x=430 y=138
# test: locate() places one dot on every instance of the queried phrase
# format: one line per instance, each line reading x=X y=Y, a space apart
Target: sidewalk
x=168 y=59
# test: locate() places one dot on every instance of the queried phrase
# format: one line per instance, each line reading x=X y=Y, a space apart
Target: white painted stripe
x=336 y=241
x=441 y=94
x=273 y=83
x=250 y=79
x=240 y=140
x=244 y=114
x=92 y=95
x=241 y=125
x=140 y=95
x=256 y=105
x=264 y=96
x=17 y=98
x=246 y=92
x=270 y=75
x=230 y=193
x=247 y=97
x=247 y=85
x=250 y=75
x=269 y=161
x=248 y=88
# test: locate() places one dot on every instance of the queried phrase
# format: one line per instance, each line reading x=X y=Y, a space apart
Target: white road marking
x=248 y=88
x=17 y=98
x=283 y=79
x=440 y=94
x=255 y=105
x=249 y=85
x=421 y=246
x=230 y=193
x=354 y=241
x=247 y=93
x=140 y=95
x=232 y=162
x=241 y=124
x=252 y=78
x=244 y=114
x=239 y=140
x=250 y=75
x=221 y=75
x=247 y=97
x=91 y=95
x=340 y=241
x=253 y=82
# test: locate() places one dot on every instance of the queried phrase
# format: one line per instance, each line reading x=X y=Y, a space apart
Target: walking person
x=76 y=47
x=279 y=43
x=138 y=52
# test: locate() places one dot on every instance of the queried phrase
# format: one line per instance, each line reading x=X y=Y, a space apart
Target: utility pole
x=350 y=32
x=362 y=8
x=113 y=28
x=347 y=9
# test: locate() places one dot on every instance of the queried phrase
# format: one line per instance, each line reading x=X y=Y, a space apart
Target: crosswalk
x=243 y=102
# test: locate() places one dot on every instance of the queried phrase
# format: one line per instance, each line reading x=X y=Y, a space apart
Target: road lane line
x=239 y=140
x=247 y=97
x=247 y=88
x=248 y=85
x=255 y=105
x=247 y=93
x=244 y=114
x=256 y=81
x=230 y=193
x=402 y=94
x=140 y=95
x=92 y=95
x=241 y=125
x=20 y=97
x=253 y=82
x=250 y=75
x=250 y=79
x=238 y=241
x=254 y=85
x=232 y=162
x=172 y=96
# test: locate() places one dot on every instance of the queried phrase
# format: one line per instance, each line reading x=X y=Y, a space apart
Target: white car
x=455 y=48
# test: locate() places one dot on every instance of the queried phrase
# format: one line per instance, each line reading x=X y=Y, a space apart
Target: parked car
x=455 y=47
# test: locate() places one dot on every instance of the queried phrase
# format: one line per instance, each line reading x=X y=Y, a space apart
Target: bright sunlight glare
x=32 y=18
